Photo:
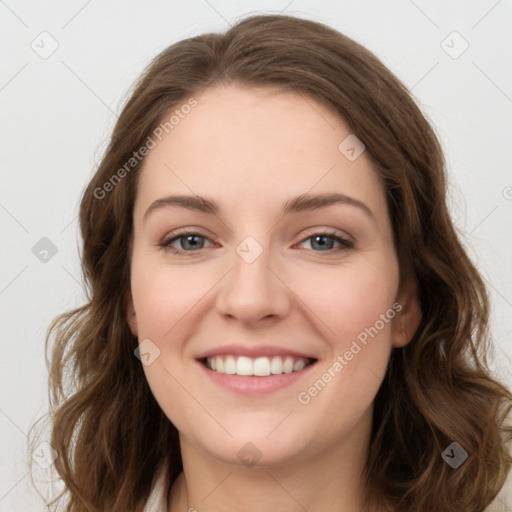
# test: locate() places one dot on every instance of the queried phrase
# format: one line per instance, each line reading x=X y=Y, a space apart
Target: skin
x=251 y=149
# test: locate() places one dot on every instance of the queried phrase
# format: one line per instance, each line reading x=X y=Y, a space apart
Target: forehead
x=260 y=145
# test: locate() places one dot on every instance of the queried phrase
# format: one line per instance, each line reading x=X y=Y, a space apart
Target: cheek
x=349 y=299
x=163 y=295
x=356 y=305
x=342 y=389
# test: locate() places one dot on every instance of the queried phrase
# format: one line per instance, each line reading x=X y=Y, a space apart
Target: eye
x=190 y=239
x=318 y=240
x=195 y=242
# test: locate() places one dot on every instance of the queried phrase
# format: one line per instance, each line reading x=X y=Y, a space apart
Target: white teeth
x=244 y=366
x=288 y=365
x=260 y=366
x=299 y=365
x=276 y=365
x=230 y=365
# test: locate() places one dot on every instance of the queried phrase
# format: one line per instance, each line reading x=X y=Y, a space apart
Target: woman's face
x=262 y=284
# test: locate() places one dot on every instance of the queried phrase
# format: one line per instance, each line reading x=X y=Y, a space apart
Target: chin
x=254 y=446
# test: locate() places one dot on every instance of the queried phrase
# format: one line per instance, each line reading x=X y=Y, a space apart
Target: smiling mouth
x=256 y=367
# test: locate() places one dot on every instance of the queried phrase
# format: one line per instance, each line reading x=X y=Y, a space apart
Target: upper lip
x=252 y=351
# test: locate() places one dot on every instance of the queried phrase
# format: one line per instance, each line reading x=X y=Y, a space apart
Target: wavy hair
x=111 y=436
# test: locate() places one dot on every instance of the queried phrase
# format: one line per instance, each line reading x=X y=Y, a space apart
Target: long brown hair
x=111 y=436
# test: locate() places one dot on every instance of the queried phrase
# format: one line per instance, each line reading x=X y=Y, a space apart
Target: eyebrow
x=304 y=202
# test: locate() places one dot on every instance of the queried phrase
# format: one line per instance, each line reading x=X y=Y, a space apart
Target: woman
x=281 y=314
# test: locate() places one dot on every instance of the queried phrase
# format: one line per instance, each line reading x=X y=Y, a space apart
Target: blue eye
x=319 y=237
x=189 y=240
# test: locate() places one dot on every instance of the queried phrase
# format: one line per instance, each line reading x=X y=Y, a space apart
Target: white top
x=157 y=501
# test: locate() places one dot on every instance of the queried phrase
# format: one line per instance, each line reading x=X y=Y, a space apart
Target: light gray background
x=58 y=112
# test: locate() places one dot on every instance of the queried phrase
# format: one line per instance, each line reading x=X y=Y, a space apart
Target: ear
x=409 y=315
x=131 y=316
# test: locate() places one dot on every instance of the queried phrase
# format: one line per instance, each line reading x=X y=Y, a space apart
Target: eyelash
x=165 y=245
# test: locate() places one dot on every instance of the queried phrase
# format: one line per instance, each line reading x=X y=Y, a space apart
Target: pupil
x=192 y=237
x=322 y=245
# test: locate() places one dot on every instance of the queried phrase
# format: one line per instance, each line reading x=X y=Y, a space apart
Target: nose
x=254 y=291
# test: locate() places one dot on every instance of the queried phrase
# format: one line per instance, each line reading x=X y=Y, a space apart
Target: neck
x=331 y=480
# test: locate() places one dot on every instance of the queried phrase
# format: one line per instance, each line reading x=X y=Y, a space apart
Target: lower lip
x=250 y=384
